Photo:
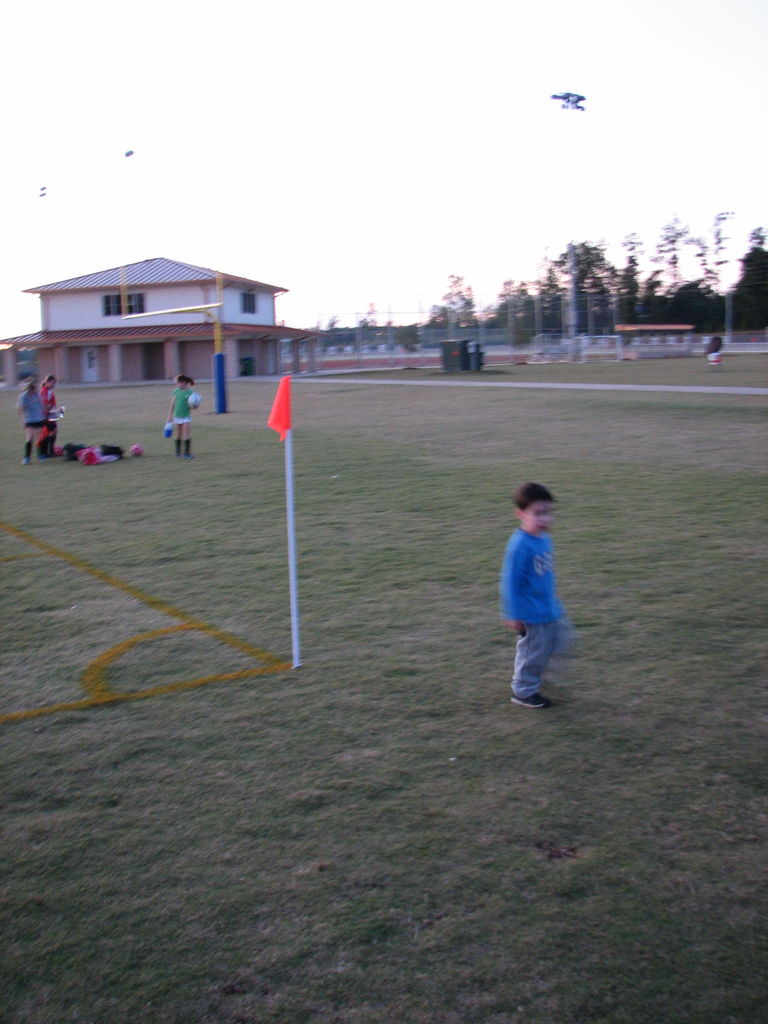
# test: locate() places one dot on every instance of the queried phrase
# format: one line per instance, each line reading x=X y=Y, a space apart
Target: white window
x=112 y=305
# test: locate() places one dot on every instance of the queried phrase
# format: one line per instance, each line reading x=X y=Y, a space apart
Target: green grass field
x=380 y=836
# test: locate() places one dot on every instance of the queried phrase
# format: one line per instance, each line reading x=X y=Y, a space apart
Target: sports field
x=194 y=833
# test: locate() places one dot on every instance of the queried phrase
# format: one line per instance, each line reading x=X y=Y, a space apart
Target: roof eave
x=123 y=334
x=226 y=279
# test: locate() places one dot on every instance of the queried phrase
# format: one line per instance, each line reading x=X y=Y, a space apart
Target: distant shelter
x=654 y=340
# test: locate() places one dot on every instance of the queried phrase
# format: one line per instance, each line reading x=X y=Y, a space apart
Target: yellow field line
x=99 y=574
x=93 y=677
x=155 y=691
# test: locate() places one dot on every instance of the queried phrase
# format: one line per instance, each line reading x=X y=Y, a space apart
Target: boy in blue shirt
x=529 y=601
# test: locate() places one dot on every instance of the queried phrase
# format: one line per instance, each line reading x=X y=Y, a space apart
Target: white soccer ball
x=194 y=400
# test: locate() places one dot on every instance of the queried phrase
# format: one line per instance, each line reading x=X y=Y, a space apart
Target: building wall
x=46 y=363
x=82 y=369
x=195 y=359
x=69 y=362
x=133 y=362
x=233 y=307
x=268 y=358
x=153 y=361
x=85 y=310
x=62 y=311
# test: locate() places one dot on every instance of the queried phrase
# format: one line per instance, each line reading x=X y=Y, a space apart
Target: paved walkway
x=680 y=389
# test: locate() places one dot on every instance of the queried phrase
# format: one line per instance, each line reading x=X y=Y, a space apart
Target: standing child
x=180 y=414
x=714 y=353
x=45 y=445
x=529 y=601
x=29 y=406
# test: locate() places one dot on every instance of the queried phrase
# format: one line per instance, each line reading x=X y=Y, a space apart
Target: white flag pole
x=294 y=590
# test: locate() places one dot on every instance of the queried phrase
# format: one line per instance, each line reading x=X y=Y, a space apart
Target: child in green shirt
x=180 y=414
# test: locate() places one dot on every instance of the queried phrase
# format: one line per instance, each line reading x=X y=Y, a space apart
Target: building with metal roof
x=154 y=319
x=149 y=272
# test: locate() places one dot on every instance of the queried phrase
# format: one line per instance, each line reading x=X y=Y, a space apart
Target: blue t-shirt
x=528 y=589
x=32 y=405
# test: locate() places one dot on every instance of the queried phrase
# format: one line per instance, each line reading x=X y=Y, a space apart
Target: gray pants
x=534 y=650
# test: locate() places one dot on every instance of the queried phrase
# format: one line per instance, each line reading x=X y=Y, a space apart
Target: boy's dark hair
x=526 y=494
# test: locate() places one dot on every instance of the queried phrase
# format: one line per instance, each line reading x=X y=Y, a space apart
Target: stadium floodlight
x=570 y=100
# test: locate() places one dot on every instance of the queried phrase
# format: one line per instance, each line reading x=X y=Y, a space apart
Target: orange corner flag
x=280 y=417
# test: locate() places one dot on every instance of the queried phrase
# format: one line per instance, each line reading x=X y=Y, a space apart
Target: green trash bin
x=476 y=359
x=246 y=366
x=451 y=352
x=464 y=359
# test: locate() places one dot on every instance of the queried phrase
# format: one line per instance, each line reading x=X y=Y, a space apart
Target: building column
x=230 y=348
x=9 y=366
x=272 y=352
x=115 y=363
x=59 y=364
x=171 y=357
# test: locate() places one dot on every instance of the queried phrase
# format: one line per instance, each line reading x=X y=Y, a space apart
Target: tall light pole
x=571 y=101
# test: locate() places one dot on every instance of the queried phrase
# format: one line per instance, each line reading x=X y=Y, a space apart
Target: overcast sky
x=360 y=153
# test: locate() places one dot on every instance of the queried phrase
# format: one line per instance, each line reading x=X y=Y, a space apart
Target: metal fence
x=377 y=348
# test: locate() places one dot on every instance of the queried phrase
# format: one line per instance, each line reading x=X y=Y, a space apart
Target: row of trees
x=607 y=294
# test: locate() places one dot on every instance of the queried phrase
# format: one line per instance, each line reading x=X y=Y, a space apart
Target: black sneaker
x=534 y=701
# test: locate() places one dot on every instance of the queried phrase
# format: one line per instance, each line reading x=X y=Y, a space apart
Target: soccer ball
x=194 y=400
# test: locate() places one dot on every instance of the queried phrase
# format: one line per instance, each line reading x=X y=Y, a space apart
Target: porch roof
x=156 y=332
